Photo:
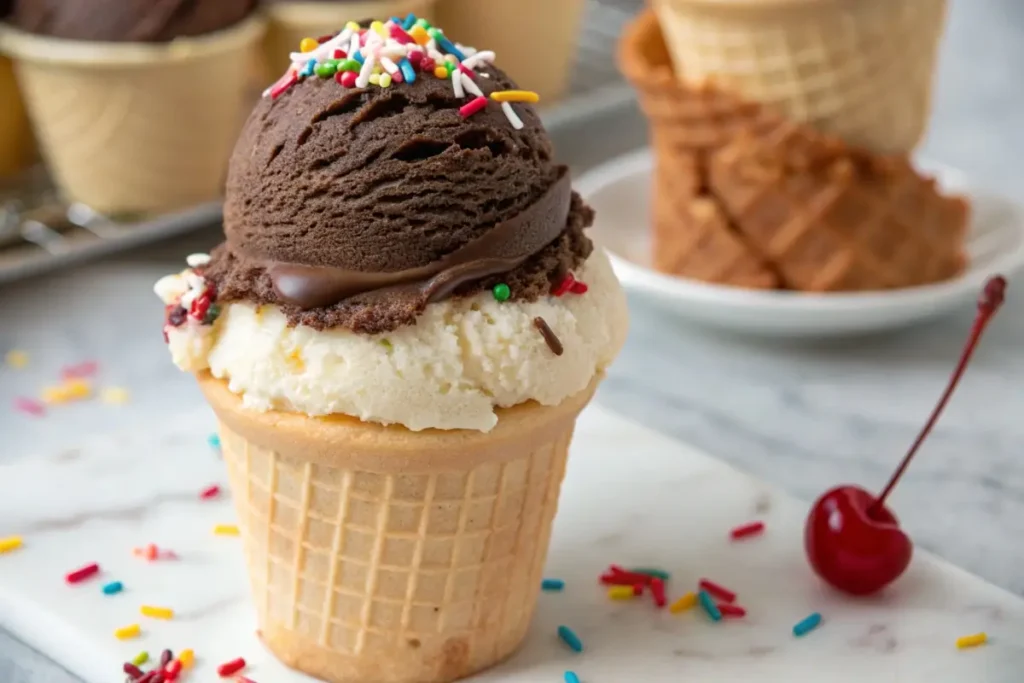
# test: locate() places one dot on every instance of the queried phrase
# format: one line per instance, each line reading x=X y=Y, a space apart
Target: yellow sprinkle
x=440 y=71
x=128 y=632
x=684 y=603
x=420 y=35
x=379 y=28
x=157 y=612
x=385 y=80
x=141 y=658
x=16 y=359
x=187 y=658
x=971 y=641
x=9 y=544
x=226 y=530
x=515 y=96
x=114 y=395
x=621 y=593
x=308 y=45
x=375 y=79
x=352 y=26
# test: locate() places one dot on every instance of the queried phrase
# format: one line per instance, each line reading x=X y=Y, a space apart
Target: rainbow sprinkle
x=570 y=638
x=113 y=588
x=128 y=632
x=707 y=603
x=973 y=640
x=226 y=530
x=552 y=585
x=571 y=677
x=807 y=625
x=16 y=359
x=9 y=544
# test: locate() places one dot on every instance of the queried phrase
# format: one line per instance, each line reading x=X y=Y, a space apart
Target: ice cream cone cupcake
x=534 y=39
x=128 y=126
x=292 y=20
x=17 y=148
x=860 y=70
x=397 y=367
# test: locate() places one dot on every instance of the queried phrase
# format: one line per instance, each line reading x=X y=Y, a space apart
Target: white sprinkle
x=483 y=75
x=457 y=84
x=196 y=260
x=469 y=85
x=195 y=280
x=511 y=115
x=364 y=74
x=466 y=50
x=431 y=45
x=388 y=65
x=482 y=56
x=353 y=48
x=436 y=56
x=170 y=288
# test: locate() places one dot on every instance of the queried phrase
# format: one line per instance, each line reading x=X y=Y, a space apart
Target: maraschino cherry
x=852 y=540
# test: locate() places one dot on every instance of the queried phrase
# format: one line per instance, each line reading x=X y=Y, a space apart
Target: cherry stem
x=988 y=303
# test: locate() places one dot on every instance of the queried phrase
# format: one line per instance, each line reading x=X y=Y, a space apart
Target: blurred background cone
x=535 y=40
x=858 y=69
x=17 y=148
x=290 y=22
x=136 y=128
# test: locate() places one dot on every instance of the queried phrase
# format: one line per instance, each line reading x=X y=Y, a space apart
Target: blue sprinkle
x=358 y=56
x=570 y=638
x=113 y=588
x=308 y=69
x=213 y=440
x=408 y=73
x=571 y=677
x=808 y=624
x=409 y=22
x=552 y=585
x=450 y=48
x=708 y=603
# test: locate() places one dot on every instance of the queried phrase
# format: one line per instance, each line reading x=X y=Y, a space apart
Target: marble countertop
x=802 y=416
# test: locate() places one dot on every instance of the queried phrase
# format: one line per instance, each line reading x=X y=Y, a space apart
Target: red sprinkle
x=427 y=65
x=348 y=79
x=718 y=591
x=323 y=39
x=617 y=576
x=751 y=529
x=415 y=57
x=243 y=679
x=210 y=492
x=466 y=70
x=397 y=77
x=579 y=288
x=232 y=667
x=29 y=406
x=283 y=83
x=82 y=574
x=564 y=286
x=728 y=610
x=132 y=670
x=658 y=591
x=473 y=107
x=151 y=552
x=638 y=589
x=400 y=35
x=172 y=670
x=86 y=369
x=200 y=305
x=338 y=53
x=165 y=657
x=148 y=678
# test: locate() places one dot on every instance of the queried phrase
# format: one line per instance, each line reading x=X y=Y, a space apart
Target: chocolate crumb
x=549 y=336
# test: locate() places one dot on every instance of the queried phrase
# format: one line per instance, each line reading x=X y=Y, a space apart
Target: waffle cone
x=290 y=22
x=535 y=40
x=136 y=128
x=16 y=144
x=860 y=70
x=380 y=554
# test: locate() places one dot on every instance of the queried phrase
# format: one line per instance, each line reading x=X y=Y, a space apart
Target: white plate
x=620 y=193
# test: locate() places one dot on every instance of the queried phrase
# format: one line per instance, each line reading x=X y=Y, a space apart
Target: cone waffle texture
x=290 y=22
x=861 y=69
x=136 y=128
x=384 y=555
x=535 y=40
x=16 y=145
x=746 y=197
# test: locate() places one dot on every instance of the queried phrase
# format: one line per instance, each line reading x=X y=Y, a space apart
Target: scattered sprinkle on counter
x=621 y=592
x=707 y=603
x=656 y=573
x=16 y=358
x=230 y=668
x=226 y=530
x=128 y=632
x=113 y=588
x=552 y=585
x=132 y=670
x=187 y=658
x=718 y=591
x=807 y=625
x=80 y=370
x=29 y=406
x=213 y=440
x=571 y=677
x=973 y=640
x=140 y=658
x=728 y=610
x=209 y=492
x=156 y=612
x=569 y=637
x=9 y=544
x=686 y=602
x=79 y=575
x=747 y=530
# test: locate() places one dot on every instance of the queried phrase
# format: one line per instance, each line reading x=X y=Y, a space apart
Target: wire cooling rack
x=39 y=233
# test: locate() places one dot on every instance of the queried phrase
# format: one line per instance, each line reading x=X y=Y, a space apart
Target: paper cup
x=17 y=148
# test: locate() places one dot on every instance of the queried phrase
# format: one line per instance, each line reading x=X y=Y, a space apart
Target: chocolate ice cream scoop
x=142 y=21
x=356 y=207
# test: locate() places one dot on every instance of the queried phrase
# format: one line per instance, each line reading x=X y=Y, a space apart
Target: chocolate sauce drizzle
x=501 y=249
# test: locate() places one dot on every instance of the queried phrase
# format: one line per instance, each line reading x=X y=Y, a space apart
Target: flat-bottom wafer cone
x=535 y=40
x=385 y=555
x=290 y=22
x=17 y=148
x=136 y=128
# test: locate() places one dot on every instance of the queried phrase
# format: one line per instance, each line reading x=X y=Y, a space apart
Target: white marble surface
x=673 y=509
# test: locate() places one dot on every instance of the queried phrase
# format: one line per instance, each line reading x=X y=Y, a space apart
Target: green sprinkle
x=434 y=33
x=325 y=69
x=386 y=343
x=657 y=573
x=424 y=24
x=350 y=65
x=502 y=292
x=141 y=658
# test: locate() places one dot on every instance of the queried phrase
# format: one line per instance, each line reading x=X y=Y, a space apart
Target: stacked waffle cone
x=748 y=195
x=380 y=554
